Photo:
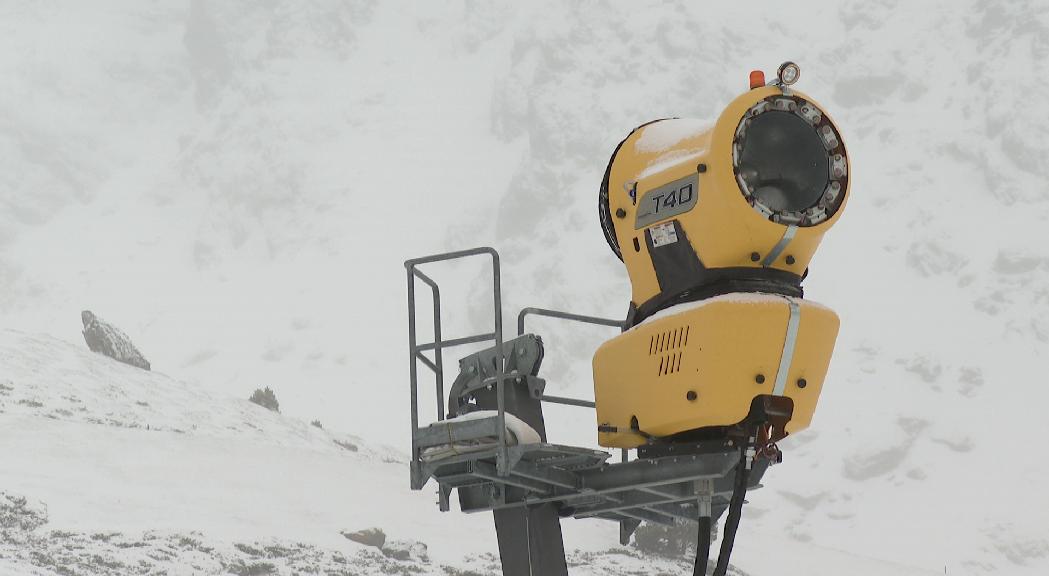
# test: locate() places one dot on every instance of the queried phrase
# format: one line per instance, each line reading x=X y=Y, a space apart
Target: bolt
x=754 y=256
x=701 y=168
x=691 y=396
x=790 y=259
x=620 y=213
x=802 y=383
x=760 y=378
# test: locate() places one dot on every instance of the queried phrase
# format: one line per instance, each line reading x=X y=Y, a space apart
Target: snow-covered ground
x=236 y=184
x=108 y=469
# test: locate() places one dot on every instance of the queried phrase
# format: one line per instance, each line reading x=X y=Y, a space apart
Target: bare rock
x=406 y=550
x=106 y=339
x=368 y=537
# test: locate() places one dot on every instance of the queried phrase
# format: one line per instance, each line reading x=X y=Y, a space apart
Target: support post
x=530 y=540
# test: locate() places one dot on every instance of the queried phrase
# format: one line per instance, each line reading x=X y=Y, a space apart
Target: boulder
x=106 y=339
x=406 y=550
x=368 y=537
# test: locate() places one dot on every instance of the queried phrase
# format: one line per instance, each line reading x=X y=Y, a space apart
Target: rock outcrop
x=106 y=339
x=368 y=537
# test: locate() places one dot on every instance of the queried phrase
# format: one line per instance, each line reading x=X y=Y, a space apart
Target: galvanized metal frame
x=658 y=490
x=416 y=350
x=437 y=365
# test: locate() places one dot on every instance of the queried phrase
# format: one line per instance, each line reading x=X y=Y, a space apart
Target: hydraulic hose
x=735 y=509
x=702 y=547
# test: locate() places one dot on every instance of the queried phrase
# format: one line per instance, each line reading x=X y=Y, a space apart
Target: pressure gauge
x=788 y=73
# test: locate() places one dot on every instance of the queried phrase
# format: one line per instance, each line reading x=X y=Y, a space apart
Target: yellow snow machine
x=719 y=357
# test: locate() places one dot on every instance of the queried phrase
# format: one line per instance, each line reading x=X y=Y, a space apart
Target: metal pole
x=503 y=459
x=437 y=356
x=564 y=316
x=459 y=341
x=567 y=401
x=438 y=366
x=413 y=370
x=451 y=256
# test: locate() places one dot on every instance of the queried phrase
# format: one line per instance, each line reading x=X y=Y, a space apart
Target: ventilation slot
x=670 y=363
x=669 y=346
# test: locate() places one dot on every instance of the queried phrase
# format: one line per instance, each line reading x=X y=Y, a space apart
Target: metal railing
x=621 y=324
x=417 y=350
x=436 y=365
x=573 y=318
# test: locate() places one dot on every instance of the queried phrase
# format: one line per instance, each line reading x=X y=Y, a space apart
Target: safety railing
x=573 y=318
x=417 y=350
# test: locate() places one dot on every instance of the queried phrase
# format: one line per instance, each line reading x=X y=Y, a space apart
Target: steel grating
x=584 y=484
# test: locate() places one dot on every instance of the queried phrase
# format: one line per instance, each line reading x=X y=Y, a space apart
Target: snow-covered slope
x=236 y=184
x=108 y=469
x=59 y=381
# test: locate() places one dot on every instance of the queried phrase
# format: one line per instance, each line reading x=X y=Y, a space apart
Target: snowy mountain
x=236 y=185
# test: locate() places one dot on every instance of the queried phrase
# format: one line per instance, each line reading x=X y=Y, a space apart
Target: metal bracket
x=704 y=497
x=480 y=371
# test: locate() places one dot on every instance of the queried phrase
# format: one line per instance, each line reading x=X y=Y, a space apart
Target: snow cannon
x=716 y=226
x=718 y=358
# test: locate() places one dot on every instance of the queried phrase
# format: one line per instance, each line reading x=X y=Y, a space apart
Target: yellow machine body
x=701 y=367
x=695 y=360
x=724 y=230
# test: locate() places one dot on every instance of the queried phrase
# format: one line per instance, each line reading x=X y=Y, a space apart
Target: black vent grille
x=669 y=347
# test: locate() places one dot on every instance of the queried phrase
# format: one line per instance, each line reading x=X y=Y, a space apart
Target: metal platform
x=529 y=486
x=584 y=484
